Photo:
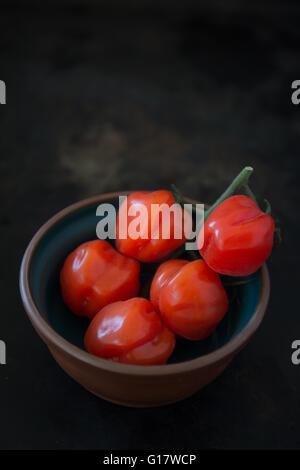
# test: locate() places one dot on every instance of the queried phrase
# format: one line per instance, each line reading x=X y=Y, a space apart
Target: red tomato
x=163 y=240
x=190 y=296
x=238 y=237
x=163 y=275
x=94 y=275
x=131 y=332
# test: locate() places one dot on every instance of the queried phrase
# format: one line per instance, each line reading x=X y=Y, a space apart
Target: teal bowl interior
x=80 y=226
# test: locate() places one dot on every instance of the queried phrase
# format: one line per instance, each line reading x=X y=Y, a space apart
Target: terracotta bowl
x=194 y=363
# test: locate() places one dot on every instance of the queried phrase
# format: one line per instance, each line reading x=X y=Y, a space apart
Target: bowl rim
x=51 y=337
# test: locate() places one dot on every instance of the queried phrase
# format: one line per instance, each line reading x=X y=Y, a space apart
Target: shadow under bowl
x=193 y=365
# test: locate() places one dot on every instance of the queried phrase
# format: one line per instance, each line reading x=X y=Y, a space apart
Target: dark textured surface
x=102 y=100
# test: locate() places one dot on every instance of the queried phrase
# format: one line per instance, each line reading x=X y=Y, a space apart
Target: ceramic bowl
x=194 y=363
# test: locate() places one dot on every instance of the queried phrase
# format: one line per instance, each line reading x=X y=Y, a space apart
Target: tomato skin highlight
x=192 y=301
x=163 y=275
x=144 y=248
x=238 y=237
x=130 y=331
x=154 y=352
x=94 y=275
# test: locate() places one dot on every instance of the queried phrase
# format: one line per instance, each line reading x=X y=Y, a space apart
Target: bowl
x=194 y=363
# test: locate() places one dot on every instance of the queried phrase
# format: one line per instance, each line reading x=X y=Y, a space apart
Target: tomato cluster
x=187 y=298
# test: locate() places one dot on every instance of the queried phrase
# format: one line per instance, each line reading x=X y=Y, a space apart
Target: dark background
x=105 y=96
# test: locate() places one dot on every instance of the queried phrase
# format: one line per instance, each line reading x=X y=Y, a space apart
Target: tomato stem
x=239 y=182
x=268 y=209
x=178 y=197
